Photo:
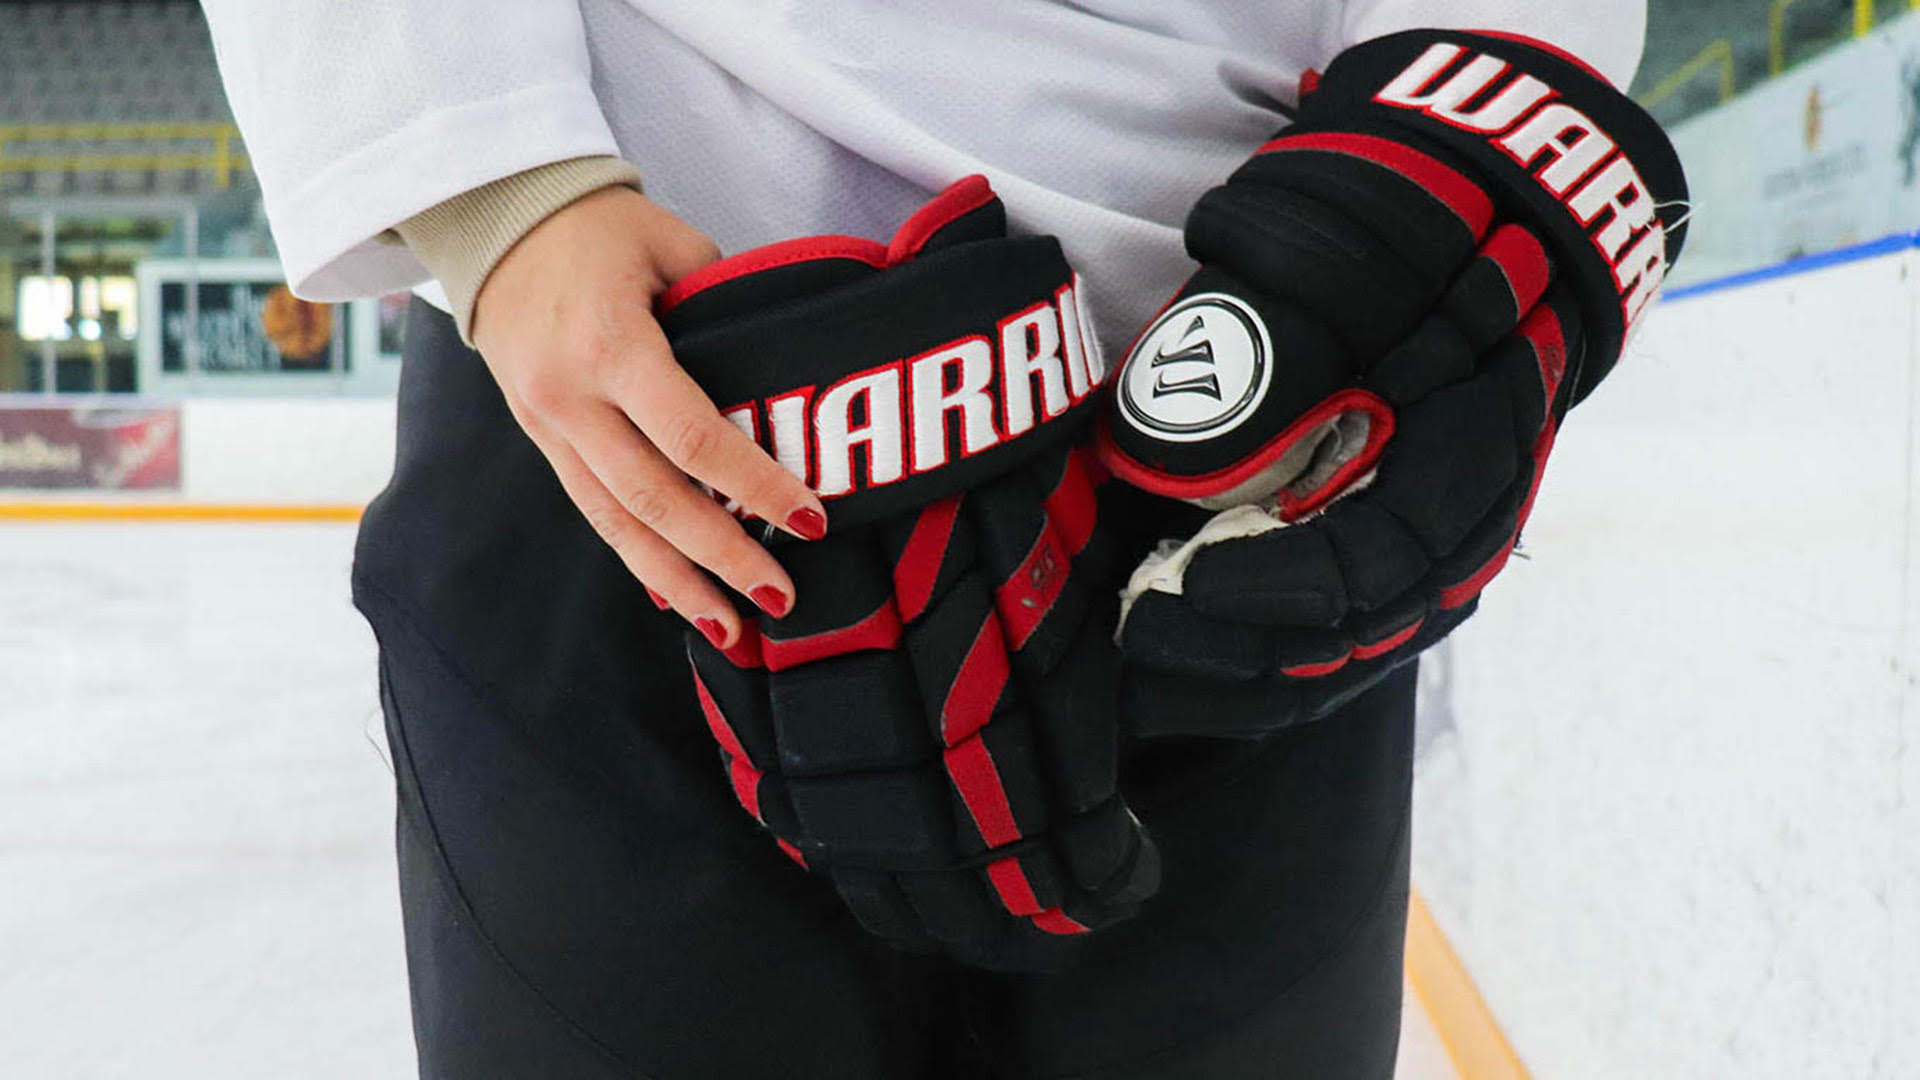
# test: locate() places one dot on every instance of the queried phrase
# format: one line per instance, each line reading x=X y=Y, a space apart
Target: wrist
x=462 y=240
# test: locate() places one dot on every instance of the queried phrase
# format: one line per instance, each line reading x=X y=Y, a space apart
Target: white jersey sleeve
x=1608 y=34
x=359 y=114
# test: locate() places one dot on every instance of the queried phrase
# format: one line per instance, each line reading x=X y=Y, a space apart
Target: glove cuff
x=1561 y=148
x=984 y=357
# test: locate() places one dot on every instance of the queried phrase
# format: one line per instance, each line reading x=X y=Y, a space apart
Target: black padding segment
x=1492 y=535
x=776 y=806
x=1139 y=878
x=1157 y=703
x=1516 y=364
x=1101 y=847
x=1421 y=230
x=1046 y=878
x=1451 y=459
x=741 y=696
x=1288 y=577
x=879 y=905
x=1435 y=355
x=939 y=645
x=838 y=582
x=893 y=818
x=1482 y=304
x=952 y=904
x=1073 y=713
x=1379 y=559
x=849 y=714
x=1164 y=631
x=1008 y=518
x=1314 y=257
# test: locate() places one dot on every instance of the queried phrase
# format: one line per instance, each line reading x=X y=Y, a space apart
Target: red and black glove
x=1399 y=299
x=934 y=725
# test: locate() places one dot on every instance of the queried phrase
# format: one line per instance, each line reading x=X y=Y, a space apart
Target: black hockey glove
x=934 y=725
x=1399 y=299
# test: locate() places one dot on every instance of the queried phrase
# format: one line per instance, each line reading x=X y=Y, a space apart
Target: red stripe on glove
x=1055 y=921
x=1387 y=644
x=1073 y=506
x=746 y=785
x=1521 y=259
x=919 y=567
x=723 y=732
x=963 y=197
x=977 y=686
x=974 y=776
x=1016 y=892
x=879 y=631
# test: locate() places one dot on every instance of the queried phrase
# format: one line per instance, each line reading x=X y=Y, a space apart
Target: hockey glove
x=1399 y=299
x=934 y=725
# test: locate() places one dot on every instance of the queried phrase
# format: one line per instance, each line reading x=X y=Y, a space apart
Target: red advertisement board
x=90 y=449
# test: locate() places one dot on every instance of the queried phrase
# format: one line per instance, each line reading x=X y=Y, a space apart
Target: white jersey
x=1099 y=121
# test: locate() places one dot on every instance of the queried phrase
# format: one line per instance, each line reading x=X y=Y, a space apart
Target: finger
x=667 y=406
x=656 y=495
x=647 y=556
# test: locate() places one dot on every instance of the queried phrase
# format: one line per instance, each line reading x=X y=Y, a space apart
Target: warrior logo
x=1201 y=351
x=1198 y=372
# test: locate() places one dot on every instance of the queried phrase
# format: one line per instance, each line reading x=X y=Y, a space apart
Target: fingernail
x=807 y=523
x=715 y=631
x=658 y=600
x=772 y=601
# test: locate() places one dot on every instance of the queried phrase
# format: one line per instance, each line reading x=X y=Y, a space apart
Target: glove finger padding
x=1399 y=300
x=934 y=725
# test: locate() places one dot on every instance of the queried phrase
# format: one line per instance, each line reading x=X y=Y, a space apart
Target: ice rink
x=196 y=875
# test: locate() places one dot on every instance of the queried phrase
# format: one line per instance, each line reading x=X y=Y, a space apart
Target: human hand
x=565 y=323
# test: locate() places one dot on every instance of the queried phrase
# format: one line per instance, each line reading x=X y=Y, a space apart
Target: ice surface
x=196 y=875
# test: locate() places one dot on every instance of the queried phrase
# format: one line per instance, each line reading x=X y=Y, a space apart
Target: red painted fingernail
x=807 y=523
x=658 y=600
x=772 y=601
x=715 y=631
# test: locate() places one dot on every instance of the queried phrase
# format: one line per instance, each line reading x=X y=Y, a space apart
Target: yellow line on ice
x=1459 y=1014
x=79 y=511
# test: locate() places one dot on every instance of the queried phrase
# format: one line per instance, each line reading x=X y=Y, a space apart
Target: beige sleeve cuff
x=461 y=240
